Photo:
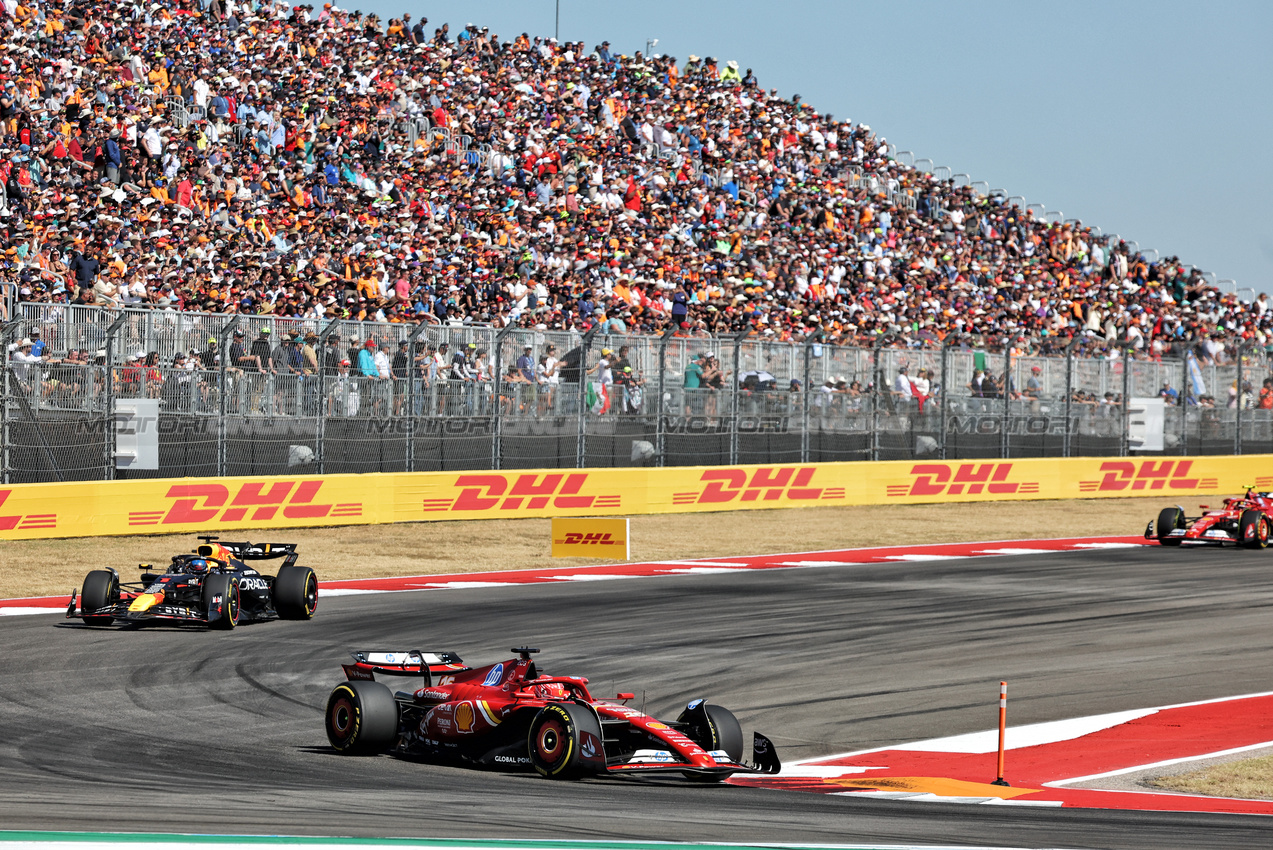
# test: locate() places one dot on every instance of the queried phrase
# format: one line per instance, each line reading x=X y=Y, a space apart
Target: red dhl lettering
x=257 y=501
x=527 y=491
x=767 y=483
x=594 y=539
x=22 y=521
x=971 y=479
x=1147 y=475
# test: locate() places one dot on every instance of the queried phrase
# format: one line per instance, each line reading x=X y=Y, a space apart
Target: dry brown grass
x=1249 y=779
x=50 y=567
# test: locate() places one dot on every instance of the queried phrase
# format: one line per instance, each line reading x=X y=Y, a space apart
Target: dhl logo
x=22 y=521
x=596 y=539
x=768 y=483
x=206 y=503
x=1148 y=475
x=490 y=492
x=949 y=479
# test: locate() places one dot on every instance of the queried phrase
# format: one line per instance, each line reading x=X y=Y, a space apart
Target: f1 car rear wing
x=410 y=662
x=247 y=551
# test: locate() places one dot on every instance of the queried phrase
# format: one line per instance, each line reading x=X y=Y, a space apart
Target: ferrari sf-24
x=511 y=715
x=1245 y=520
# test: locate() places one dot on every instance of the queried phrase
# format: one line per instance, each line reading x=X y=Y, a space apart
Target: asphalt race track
x=175 y=730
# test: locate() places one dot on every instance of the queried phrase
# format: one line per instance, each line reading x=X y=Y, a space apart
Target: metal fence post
x=581 y=439
x=320 y=429
x=1004 y=443
x=6 y=336
x=497 y=375
x=875 y=400
x=733 y=398
x=1066 y=448
x=1243 y=348
x=804 y=397
x=660 y=427
x=945 y=391
x=223 y=363
x=413 y=378
x=109 y=430
x=1181 y=399
x=1124 y=446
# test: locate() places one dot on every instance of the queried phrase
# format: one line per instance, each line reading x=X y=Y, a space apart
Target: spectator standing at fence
x=37 y=344
x=1171 y=397
x=902 y=391
x=367 y=361
x=526 y=364
x=401 y=370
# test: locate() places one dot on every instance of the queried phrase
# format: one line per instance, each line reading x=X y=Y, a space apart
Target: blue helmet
x=197 y=565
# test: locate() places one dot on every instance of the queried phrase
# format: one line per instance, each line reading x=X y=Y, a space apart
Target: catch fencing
x=682 y=401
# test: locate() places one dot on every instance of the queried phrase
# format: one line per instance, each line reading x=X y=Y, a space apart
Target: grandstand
x=318 y=164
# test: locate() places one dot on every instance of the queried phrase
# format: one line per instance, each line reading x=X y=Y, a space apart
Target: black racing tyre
x=227 y=589
x=1253 y=530
x=1169 y=519
x=714 y=727
x=101 y=588
x=558 y=745
x=362 y=718
x=295 y=593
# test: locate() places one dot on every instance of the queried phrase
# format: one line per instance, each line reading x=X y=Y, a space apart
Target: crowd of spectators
x=298 y=189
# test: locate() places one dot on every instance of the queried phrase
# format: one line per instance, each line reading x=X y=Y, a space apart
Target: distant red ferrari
x=510 y=715
x=1245 y=520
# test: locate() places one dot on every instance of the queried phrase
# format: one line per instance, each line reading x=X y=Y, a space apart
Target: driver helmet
x=198 y=565
x=552 y=690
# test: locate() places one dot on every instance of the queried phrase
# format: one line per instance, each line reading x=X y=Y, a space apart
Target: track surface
x=182 y=730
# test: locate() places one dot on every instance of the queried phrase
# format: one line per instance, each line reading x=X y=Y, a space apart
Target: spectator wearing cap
x=367 y=361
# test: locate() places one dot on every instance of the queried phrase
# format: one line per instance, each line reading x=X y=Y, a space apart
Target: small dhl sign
x=575 y=537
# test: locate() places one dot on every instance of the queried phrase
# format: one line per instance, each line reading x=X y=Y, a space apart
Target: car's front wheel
x=1254 y=530
x=1169 y=519
x=101 y=588
x=222 y=604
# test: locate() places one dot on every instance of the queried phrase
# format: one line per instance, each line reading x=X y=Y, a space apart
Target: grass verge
x=1248 y=779
x=50 y=567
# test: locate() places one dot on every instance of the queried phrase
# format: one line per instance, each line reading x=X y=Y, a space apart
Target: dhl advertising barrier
x=204 y=504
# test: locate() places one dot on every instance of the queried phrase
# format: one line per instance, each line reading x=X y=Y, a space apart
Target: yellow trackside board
x=591 y=537
x=198 y=505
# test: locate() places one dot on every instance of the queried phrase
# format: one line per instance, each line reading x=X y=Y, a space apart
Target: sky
x=1147 y=119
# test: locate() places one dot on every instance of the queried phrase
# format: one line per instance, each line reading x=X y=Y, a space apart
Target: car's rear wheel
x=222 y=604
x=1254 y=530
x=557 y=744
x=362 y=718
x=1169 y=519
x=101 y=588
x=296 y=593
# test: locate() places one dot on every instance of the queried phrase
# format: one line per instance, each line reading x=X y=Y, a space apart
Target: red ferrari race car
x=1242 y=521
x=511 y=715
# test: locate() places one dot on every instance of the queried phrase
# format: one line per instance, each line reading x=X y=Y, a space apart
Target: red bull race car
x=212 y=586
x=511 y=715
x=1245 y=520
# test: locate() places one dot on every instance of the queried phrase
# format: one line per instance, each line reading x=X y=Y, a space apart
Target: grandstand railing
x=775 y=402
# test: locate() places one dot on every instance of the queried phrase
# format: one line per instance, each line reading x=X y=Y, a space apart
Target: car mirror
x=624 y=697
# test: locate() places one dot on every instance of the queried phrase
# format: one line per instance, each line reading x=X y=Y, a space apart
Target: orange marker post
x=1003 y=726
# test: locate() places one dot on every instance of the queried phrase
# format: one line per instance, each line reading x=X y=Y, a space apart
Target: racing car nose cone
x=145 y=602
